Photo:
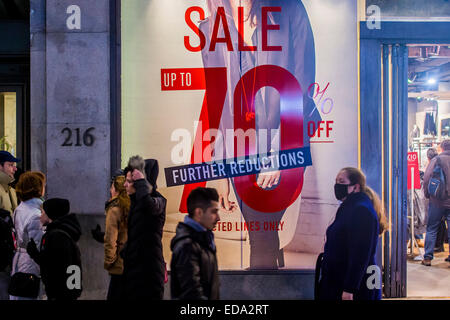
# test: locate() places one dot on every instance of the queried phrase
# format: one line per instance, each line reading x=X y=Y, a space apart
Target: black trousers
x=441 y=235
x=115 y=287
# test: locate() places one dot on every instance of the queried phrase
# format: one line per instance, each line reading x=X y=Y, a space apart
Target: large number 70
x=291 y=130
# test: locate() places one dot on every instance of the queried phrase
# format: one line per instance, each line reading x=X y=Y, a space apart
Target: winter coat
x=115 y=237
x=28 y=226
x=445 y=164
x=143 y=260
x=8 y=198
x=194 y=272
x=350 y=248
x=57 y=253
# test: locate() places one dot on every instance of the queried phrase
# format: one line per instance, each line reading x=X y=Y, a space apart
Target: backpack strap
x=438 y=161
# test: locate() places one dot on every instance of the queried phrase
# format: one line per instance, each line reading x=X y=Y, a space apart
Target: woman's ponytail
x=357 y=177
x=377 y=205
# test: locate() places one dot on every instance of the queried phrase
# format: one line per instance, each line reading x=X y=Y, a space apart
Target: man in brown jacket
x=8 y=202
x=438 y=208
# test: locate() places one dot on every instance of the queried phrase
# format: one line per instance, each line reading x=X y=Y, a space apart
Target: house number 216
x=81 y=138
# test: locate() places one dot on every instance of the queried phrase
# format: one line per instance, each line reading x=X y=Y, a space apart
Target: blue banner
x=235 y=167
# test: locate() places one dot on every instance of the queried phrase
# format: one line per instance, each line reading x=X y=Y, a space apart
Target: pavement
x=433 y=282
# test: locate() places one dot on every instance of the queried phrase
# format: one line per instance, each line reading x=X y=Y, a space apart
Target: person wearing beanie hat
x=58 y=250
x=56 y=208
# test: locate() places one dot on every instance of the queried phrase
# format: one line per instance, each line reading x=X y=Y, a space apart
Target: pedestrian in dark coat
x=194 y=271
x=349 y=269
x=144 y=267
x=58 y=250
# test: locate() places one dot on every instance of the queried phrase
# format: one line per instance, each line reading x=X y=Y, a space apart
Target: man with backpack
x=8 y=203
x=437 y=189
x=59 y=256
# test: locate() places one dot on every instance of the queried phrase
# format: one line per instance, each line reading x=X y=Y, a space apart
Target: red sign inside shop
x=413 y=170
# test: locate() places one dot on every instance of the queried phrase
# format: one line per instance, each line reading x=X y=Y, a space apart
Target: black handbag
x=24 y=285
x=318 y=276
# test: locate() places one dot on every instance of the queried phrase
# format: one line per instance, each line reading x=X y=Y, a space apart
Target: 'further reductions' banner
x=254 y=98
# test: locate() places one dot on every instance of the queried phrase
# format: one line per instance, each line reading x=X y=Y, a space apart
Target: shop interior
x=428 y=126
x=8 y=121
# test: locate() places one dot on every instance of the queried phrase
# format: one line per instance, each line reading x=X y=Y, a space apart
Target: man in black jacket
x=59 y=257
x=194 y=272
x=144 y=267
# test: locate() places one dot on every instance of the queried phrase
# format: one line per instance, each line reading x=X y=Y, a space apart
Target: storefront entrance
x=428 y=126
x=384 y=132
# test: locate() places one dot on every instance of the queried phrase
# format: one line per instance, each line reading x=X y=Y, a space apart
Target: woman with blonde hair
x=30 y=189
x=349 y=258
x=117 y=209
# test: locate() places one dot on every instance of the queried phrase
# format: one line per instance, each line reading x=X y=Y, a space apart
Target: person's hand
x=223 y=189
x=97 y=234
x=347 y=296
x=137 y=175
x=268 y=179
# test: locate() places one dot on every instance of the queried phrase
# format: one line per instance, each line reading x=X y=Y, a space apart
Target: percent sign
x=321 y=93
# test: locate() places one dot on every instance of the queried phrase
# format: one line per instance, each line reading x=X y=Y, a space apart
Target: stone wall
x=70 y=115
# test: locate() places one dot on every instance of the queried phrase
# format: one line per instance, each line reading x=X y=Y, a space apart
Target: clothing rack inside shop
x=422 y=144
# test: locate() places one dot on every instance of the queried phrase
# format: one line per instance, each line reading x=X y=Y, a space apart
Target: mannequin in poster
x=287 y=43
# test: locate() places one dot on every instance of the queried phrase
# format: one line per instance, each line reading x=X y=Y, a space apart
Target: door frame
x=22 y=121
x=371 y=126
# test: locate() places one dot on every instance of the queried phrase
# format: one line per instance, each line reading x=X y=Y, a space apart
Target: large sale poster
x=256 y=98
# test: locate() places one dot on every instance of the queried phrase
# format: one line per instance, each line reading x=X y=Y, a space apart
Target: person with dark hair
x=352 y=240
x=115 y=237
x=431 y=153
x=194 y=270
x=58 y=250
x=30 y=189
x=143 y=261
x=8 y=203
x=438 y=209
